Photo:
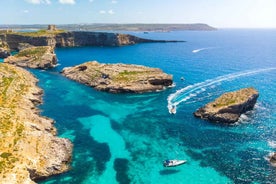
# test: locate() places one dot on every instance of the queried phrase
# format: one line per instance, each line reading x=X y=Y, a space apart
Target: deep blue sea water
x=124 y=138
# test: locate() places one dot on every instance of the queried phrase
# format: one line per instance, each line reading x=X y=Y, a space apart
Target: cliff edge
x=228 y=107
x=29 y=149
x=119 y=78
x=71 y=39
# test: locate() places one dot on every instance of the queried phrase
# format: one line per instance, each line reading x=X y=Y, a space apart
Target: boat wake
x=194 y=90
x=205 y=48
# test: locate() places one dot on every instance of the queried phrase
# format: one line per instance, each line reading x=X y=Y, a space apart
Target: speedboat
x=173 y=163
x=172 y=110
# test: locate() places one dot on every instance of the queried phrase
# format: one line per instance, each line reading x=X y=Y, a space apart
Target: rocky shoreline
x=272 y=159
x=29 y=148
x=119 y=78
x=229 y=106
x=41 y=57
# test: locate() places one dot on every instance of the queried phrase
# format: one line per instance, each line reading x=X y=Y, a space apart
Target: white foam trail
x=272 y=144
x=190 y=91
x=198 y=50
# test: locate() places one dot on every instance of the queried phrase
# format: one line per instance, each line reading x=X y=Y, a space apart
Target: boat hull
x=173 y=163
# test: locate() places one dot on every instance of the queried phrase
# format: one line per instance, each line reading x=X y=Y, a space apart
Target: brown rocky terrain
x=4 y=49
x=228 y=107
x=29 y=149
x=272 y=159
x=42 y=57
x=119 y=78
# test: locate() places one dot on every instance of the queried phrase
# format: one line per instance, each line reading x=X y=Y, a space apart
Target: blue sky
x=217 y=13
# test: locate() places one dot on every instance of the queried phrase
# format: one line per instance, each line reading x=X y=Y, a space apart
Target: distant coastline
x=118 y=27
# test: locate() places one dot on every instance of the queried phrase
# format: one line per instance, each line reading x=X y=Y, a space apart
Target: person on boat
x=173 y=109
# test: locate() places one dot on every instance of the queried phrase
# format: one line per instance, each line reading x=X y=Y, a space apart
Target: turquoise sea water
x=124 y=138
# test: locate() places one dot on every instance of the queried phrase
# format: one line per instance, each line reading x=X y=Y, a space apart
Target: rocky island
x=119 y=78
x=228 y=107
x=42 y=57
x=29 y=148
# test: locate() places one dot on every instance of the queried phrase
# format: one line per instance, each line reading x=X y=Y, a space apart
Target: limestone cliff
x=4 y=50
x=41 y=57
x=228 y=107
x=72 y=39
x=29 y=149
x=119 y=78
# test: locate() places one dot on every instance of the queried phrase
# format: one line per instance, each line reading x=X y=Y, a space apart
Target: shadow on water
x=168 y=171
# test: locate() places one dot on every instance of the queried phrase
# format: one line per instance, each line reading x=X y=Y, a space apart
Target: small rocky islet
x=119 y=78
x=228 y=107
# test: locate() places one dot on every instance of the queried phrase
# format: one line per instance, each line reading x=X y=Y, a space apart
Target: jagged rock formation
x=4 y=53
x=119 y=78
x=29 y=149
x=228 y=107
x=72 y=39
x=42 y=57
x=4 y=50
x=272 y=159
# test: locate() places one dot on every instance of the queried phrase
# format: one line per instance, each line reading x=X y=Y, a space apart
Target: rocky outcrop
x=4 y=53
x=4 y=50
x=228 y=107
x=72 y=39
x=29 y=149
x=42 y=57
x=272 y=159
x=119 y=78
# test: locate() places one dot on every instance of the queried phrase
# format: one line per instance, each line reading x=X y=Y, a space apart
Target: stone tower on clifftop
x=52 y=28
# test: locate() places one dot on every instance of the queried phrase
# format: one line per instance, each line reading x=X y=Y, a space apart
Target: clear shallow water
x=124 y=138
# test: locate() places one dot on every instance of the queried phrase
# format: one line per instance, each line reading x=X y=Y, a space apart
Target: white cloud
x=114 y=2
x=67 y=1
x=25 y=11
x=39 y=1
x=110 y=12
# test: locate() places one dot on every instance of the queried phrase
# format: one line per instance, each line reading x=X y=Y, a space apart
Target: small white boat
x=173 y=163
x=172 y=110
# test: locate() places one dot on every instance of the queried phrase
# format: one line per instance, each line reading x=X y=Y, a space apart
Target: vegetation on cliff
x=28 y=148
x=34 y=57
x=39 y=33
x=119 y=78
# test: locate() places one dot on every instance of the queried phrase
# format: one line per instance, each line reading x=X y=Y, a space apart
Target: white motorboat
x=173 y=163
x=172 y=110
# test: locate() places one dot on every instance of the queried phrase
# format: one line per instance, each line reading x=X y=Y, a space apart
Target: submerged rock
x=119 y=78
x=41 y=57
x=229 y=106
x=29 y=149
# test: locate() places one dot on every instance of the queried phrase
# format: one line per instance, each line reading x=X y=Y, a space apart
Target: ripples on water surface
x=123 y=138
